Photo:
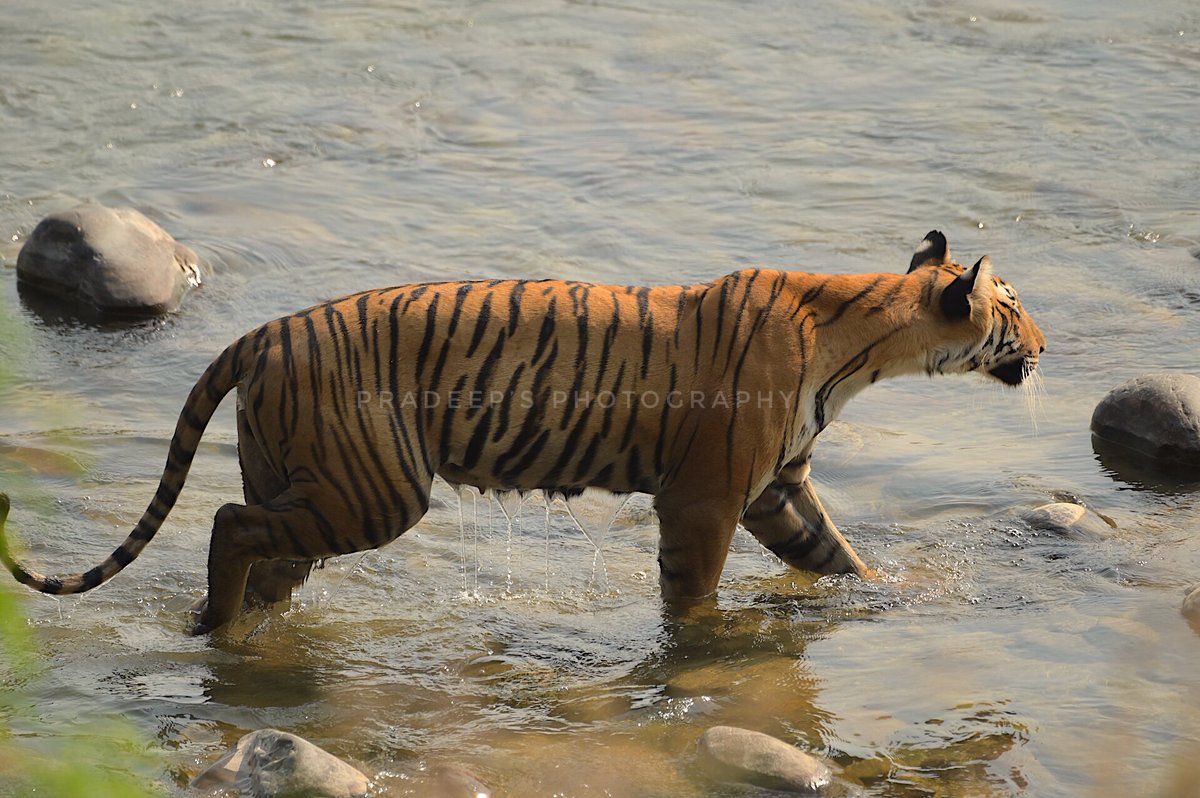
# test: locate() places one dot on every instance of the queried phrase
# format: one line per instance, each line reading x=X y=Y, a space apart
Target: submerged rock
x=1068 y=519
x=457 y=782
x=733 y=754
x=274 y=764
x=1191 y=607
x=112 y=259
x=1157 y=416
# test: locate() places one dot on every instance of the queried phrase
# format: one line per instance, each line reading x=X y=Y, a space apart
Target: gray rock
x=733 y=754
x=1069 y=520
x=113 y=259
x=274 y=764
x=1157 y=415
x=1191 y=607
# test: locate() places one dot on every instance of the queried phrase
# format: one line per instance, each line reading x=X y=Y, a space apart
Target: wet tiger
x=709 y=397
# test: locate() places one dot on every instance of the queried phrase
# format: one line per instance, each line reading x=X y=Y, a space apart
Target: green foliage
x=84 y=758
x=94 y=760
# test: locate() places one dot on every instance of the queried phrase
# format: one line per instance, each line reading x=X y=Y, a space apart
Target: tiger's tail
x=218 y=380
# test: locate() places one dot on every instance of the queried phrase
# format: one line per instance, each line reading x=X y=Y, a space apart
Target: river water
x=307 y=150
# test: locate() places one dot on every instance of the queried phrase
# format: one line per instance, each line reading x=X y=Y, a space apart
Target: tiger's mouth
x=1013 y=372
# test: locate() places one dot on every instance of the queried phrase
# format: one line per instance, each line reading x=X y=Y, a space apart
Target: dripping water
x=459 y=492
x=510 y=502
x=599 y=509
x=346 y=575
x=547 y=498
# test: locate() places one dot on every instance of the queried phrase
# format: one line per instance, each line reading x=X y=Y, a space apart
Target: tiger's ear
x=956 y=297
x=934 y=250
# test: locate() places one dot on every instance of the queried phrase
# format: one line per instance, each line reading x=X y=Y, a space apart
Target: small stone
x=733 y=754
x=1191 y=607
x=274 y=764
x=1068 y=519
x=112 y=259
x=1157 y=416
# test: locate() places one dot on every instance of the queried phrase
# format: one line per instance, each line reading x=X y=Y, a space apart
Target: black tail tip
x=3 y=507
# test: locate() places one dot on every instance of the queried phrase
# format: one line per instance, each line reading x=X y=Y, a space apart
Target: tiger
x=709 y=397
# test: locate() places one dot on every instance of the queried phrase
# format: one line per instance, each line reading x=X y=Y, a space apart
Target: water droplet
x=268 y=162
x=1018 y=218
x=417 y=104
x=133 y=106
x=974 y=19
x=16 y=237
x=980 y=225
x=370 y=67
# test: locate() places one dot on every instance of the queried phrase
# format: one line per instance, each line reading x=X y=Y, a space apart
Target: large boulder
x=733 y=754
x=1157 y=416
x=112 y=259
x=274 y=764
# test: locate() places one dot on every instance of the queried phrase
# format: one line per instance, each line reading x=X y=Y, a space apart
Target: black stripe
x=796 y=548
x=722 y=298
x=431 y=317
x=845 y=305
x=478 y=438
x=531 y=454
x=737 y=318
x=514 y=305
x=606 y=424
x=416 y=293
x=546 y=333
x=510 y=396
x=484 y=378
x=481 y=322
x=761 y=514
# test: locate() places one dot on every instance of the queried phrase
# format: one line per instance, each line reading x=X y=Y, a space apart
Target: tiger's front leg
x=787 y=518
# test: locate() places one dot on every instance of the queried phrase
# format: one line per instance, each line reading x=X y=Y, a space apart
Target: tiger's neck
x=858 y=330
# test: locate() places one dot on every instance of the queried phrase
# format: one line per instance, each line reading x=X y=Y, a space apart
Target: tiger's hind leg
x=299 y=525
x=789 y=520
x=270 y=581
x=284 y=528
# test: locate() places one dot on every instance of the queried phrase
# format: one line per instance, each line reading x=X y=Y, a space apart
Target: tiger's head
x=982 y=325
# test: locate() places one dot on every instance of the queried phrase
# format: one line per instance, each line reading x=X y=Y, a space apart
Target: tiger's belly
x=624 y=476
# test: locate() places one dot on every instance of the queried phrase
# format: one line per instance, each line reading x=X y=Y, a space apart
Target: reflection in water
x=1144 y=473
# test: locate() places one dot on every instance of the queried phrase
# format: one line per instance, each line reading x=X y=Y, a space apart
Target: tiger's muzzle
x=1014 y=371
